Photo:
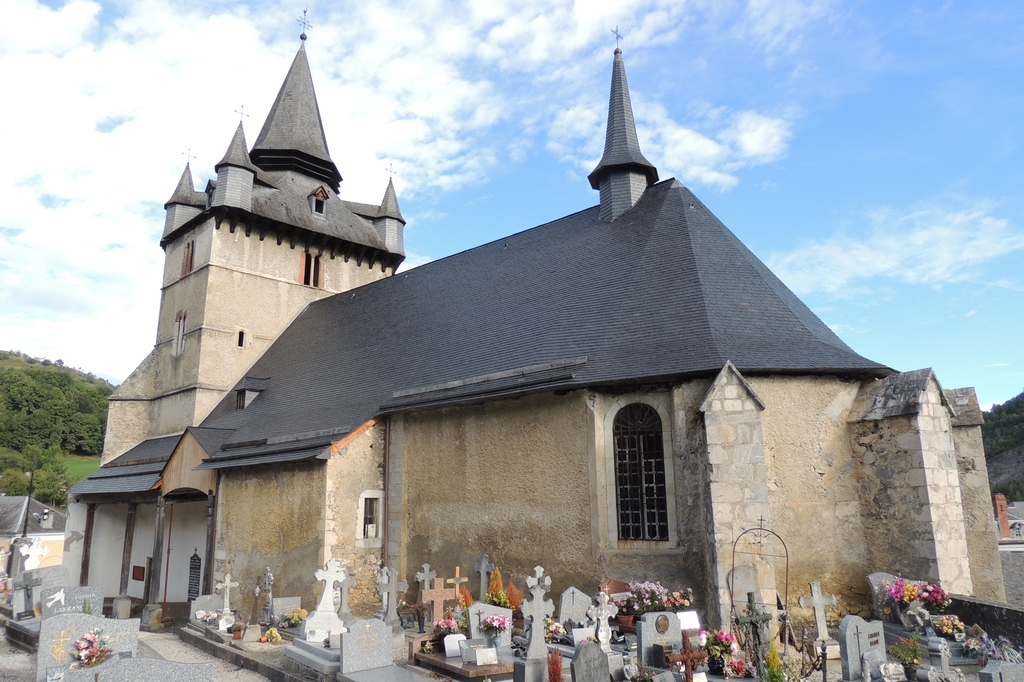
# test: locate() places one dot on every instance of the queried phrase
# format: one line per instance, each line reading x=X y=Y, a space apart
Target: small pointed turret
x=186 y=203
x=292 y=137
x=389 y=222
x=235 y=173
x=623 y=173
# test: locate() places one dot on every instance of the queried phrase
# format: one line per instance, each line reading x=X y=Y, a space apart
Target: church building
x=626 y=392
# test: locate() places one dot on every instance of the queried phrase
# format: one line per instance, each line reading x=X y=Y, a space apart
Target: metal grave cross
x=537 y=609
x=436 y=597
x=424 y=577
x=484 y=568
x=818 y=602
x=344 y=612
x=332 y=573
x=757 y=620
x=604 y=610
x=226 y=585
x=389 y=587
x=456 y=582
x=689 y=657
x=26 y=581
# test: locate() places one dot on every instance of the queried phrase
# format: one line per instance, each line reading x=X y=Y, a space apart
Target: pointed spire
x=621 y=148
x=389 y=207
x=237 y=153
x=185 y=192
x=292 y=137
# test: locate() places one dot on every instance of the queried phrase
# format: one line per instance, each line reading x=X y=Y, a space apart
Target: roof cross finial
x=618 y=36
x=189 y=155
x=305 y=25
x=241 y=112
x=391 y=169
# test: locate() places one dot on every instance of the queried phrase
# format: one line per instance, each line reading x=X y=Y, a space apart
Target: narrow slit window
x=370 y=521
x=640 y=474
x=307 y=268
x=178 y=344
x=188 y=257
x=316 y=272
x=241 y=339
x=240 y=400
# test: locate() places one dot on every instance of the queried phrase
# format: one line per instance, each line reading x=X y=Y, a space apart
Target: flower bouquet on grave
x=552 y=630
x=932 y=597
x=718 y=644
x=948 y=626
x=91 y=649
x=737 y=668
x=271 y=635
x=208 y=617
x=446 y=626
x=496 y=594
x=496 y=624
x=647 y=596
x=293 y=619
x=907 y=651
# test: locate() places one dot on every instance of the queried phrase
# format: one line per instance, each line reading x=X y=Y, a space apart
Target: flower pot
x=493 y=640
x=626 y=620
x=420 y=620
x=911 y=672
x=716 y=665
x=237 y=634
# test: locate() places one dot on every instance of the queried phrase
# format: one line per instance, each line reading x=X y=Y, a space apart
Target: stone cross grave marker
x=58 y=635
x=268 y=590
x=389 y=586
x=366 y=645
x=24 y=599
x=226 y=585
x=573 y=606
x=58 y=600
x=344 y=612
x=324 y=622
x=818 y=602
x=938 y=653
x=856 y=638
x=536 y=610
x=456 y=582
x=757 y=621
x=424 y=578
x=484 y=568
x=601 y=612
x=657 y=627
x=590 y=664
x=436 y=597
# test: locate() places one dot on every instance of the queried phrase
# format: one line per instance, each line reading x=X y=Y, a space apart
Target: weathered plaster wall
x=107 y=548
x=351 y=471
x=812 y=487
x=510 y=478
x=273 y=516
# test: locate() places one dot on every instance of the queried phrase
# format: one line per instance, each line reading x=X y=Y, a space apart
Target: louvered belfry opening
x=640 y=474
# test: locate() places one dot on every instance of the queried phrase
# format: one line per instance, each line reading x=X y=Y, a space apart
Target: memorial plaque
x=487 y=656
x=195 y=565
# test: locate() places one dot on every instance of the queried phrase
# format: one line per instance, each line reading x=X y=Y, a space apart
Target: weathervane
x=241 y=112
x=305 y=25
x=618 y=36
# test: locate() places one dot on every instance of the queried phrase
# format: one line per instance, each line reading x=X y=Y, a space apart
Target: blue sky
x=869 y=152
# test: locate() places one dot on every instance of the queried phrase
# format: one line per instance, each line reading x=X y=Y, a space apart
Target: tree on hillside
x=1004 y=426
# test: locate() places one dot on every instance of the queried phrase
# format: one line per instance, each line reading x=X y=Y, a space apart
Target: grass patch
x=79 y=467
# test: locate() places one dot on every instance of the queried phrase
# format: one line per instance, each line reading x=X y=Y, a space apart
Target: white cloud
x=930 y=246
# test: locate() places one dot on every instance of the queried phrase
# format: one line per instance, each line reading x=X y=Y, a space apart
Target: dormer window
x=318 y=201
x=243 y=397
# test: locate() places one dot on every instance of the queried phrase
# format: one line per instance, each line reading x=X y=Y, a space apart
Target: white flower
x=703 y=638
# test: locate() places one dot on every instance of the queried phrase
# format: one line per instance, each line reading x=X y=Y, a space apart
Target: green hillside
x=1004 y=426
x=52 y=420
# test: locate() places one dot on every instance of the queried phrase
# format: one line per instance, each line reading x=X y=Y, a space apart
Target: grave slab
x=58 y=600
x=314 y=655
x=478 y=611
x=573 y=606
x=657 y=627
x=58 y=634
x=857 y=637
x=367 y=644
x=590 y=664
x=285 y=605
x=205 y=602
x=154 y=670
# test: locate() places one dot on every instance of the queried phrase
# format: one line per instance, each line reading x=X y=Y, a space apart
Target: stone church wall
x=272 y=516
x=353 y=473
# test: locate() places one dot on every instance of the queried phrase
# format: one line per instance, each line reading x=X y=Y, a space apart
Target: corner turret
x=389 y=222
x=235 y=175
x=623 y=174
x=184 y=205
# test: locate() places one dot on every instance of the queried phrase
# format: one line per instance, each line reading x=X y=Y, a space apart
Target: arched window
x=640 y=474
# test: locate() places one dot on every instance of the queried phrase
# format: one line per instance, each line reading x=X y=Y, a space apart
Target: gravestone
x=33 y=583
x=600 y=613
x=424 y=578
x=147 y=669
x=344 y=612
x=484 y=568
x=590 y=664
x=534 y=668
x=469 y=647
x=451 y=644
x=285 y=605
x=268 y=599
x=573 y=606
x=436 y=597
x=880 y=598
x=58 y=600
x=889 y=671
x=388 y=586
x=457 y=581
x=478 y=611
x=657 y=627
x=580 y=635
x=856 y=638
x=324 y=620
x=195 y=564
x=57 y=636
x=366 y=645
x=207 y=603
x=818 y=601
x=1001 y=671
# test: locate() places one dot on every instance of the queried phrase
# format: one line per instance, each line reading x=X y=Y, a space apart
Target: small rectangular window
x=178 y=344
x=188 y=258
x=316 y=272
x=240 y=400
x=370 y=523
x=307 y=268
x=241 y=339
x=318 y=206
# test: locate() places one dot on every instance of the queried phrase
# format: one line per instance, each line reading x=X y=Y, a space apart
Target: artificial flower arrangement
x=932 y=597
x=272 y=636
x=91 y=649
x=208 y=617
x=718 y=644
x=446 y=626
x=737 y=668
x=419 y=609
x=496 y=623
x=949 y=625
x=496 y=594
x=647 y=596
x=293 y=618
x=983 y=648
x=552 y=629
x=907 y=651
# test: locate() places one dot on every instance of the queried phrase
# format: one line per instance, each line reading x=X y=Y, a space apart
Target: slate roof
x=621 y=147
x=135 y=471
x=663 y=292
x=185 y=192
x=12 y=516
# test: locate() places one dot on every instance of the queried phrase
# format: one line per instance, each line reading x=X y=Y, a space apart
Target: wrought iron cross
x=304 y=23
x=618 y=36
x=241 y=113
x=188 y=159
x=391 y=169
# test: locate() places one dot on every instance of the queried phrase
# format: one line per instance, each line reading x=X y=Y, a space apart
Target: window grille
x=640 y=474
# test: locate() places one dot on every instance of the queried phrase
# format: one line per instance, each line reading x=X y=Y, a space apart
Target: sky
x=869 y=152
